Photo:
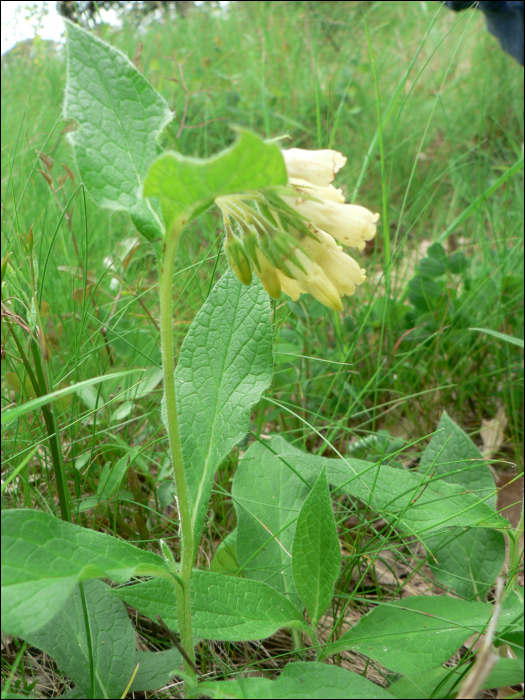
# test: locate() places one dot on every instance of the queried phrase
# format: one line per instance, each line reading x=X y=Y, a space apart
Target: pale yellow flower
x=290 y=287
x=344 y=272
x=350 y=224
x=290 y=238
x=313 y=279
x=316 y=167
x=329 y=192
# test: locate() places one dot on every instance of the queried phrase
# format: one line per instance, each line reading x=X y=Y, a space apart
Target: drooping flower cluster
x=289 y=234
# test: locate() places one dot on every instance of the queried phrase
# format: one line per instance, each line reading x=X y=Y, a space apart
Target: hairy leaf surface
x=316 y=558
x=300 y=680
x=120 y=116
x=223 y=607
x=43 y=558
x=268 y=497
x=419 y=633
x=225 y=365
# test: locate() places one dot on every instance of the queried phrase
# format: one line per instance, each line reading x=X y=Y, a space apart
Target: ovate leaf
x=452 y=454
x=316 y=559
x=467 y=561
x=225 y=560
x=186 y=186
x=223 y=607
x=112 y=640
x=300 y=680
x=152 y=598
x=268 y=497
x=419 y=633
x=43 y=558
x=416 y=503
x=119 y=116
x=224 y=366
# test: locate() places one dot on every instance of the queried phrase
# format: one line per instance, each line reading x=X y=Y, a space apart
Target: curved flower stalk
x=288 y=235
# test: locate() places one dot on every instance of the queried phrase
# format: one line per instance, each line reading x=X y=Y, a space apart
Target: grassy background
x=427 y=126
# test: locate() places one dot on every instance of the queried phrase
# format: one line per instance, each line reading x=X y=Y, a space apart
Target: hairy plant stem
x=186 y=531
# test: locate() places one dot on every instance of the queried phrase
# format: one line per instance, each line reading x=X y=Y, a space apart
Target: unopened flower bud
x=237 y=258
x=267 y=273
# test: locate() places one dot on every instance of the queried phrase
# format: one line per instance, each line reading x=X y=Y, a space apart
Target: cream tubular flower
x=317 y=167
x=350 y=224
x=342 y=270
x=329 y=192
x=290 y=287
x=288 y=235
x=313 y=279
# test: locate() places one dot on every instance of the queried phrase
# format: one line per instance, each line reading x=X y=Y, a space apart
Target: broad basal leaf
x=466 y=560
x=452 y=454
x=43 y=558
x=268 y=497
x=223 y=607
x=299 y=680
x=187 y=186
x=119 y=116
x=419 y=633
x=415 y=504
x=316 y=558
x=112 y=635
x=224 y=366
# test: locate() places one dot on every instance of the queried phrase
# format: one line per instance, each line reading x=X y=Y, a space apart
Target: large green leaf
x=451 y=450
x=225 y=364
x=419 y=633
x=425 y=685
x=268 y=497
x=316 y=558
x=299 y=680
x=466 y=560
x=112 y=640
x=186 y=186
x=415 y=504
x=223 y=607
x=43 y=558
x=120 y=116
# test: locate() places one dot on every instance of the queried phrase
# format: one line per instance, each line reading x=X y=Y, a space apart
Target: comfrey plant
x=279 y=568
